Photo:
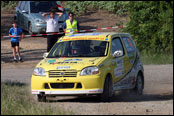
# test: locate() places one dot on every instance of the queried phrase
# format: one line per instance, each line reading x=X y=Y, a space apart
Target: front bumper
x=89 y=85
x=68 y=92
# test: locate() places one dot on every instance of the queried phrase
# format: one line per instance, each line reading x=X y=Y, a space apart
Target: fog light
x=46 y=86
x=79 y=85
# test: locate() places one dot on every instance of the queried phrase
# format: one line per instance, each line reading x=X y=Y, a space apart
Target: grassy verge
x=17 y=100
x=157 y=58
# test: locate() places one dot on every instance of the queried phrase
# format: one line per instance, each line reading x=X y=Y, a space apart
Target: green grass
x=17 y=100
x=157 y=58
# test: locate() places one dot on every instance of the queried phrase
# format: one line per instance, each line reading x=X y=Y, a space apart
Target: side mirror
x=118 y=53
x=45 y=55
x=23 y=11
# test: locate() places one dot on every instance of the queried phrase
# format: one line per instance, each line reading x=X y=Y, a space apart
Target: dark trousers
x=51 y=40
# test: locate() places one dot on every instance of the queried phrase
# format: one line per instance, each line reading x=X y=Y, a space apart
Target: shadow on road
x=27 y=55
x=120 y=97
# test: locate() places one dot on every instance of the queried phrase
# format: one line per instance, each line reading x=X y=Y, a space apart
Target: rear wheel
x=139 y=85
x=107 y=92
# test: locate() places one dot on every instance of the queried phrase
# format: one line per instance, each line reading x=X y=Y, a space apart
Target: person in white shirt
x=52 y=27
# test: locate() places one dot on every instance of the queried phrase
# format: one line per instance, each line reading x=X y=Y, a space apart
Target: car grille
x=62 y=85
x=62 y=73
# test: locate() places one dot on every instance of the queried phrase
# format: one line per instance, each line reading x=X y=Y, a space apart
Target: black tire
x=41 y=98
x=139 y=85
x=30 y=29
x=107 y=92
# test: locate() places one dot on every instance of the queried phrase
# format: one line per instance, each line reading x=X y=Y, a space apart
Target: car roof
x=97 y=34
x=103 y=36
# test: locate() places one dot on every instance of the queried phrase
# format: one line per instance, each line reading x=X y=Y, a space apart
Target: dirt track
x=157 y=97
x=158 y=92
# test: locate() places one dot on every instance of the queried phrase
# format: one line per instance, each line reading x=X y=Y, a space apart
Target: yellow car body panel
x=80 y=84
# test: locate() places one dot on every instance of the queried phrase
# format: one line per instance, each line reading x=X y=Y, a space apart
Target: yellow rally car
x=89 y=64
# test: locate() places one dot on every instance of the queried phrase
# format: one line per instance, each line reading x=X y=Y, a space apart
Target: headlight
x=39 y=21
x=90 y=71
x=39 y=72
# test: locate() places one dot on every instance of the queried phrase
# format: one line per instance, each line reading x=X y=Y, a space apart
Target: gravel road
x=157 y=97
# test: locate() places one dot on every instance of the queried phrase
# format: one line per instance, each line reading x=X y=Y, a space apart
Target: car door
x=23 y=15
x=21 y=18
x=120 y=69
x=18 y=13
x=131 y=50
x=26 y=16
x=122 y=78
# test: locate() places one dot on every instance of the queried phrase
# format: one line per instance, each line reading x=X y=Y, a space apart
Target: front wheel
x=41 y=98
x=107 y=92
x=30 y=29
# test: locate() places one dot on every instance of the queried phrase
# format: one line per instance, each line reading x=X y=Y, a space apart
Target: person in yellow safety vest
x=71 y=25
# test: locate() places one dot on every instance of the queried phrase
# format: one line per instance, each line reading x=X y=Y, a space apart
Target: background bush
x=151 y=26
x=8 y=6
x=81 y=7
x=150 y=22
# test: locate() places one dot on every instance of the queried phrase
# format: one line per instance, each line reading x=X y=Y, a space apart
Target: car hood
x=39 y=16
x=69 y=63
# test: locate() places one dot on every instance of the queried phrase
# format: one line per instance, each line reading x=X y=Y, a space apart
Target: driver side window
x=117 y=45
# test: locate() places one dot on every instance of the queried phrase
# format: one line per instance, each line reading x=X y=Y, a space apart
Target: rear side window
x=21 y=7
x=129 y=44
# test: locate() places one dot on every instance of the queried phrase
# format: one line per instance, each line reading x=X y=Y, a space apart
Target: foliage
x=150 y=22
x=151 y=26
x=8 y=5
x=81 y=7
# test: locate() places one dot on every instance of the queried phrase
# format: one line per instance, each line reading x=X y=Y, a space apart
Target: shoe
x=15 y=60
x=21 y=60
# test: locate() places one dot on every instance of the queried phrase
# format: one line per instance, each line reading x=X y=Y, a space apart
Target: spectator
x=15 y=31
x=52 y=27
x=71 y=25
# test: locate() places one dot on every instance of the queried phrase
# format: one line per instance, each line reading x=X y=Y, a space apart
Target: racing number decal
x=119 y=70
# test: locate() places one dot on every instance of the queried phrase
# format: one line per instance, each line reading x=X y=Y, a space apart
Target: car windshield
x=41 y=6
x=79 y=48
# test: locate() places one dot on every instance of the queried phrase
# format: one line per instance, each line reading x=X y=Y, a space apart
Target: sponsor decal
x=85 y=34
x=126 y=83
x=60 y=40
x=52 y=61
x=84 y=38
x=71 y=60
x=119 y=70
x=106 y=39
x=63 y=67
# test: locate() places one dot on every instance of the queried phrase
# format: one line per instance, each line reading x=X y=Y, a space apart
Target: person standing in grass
x=15 y=31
